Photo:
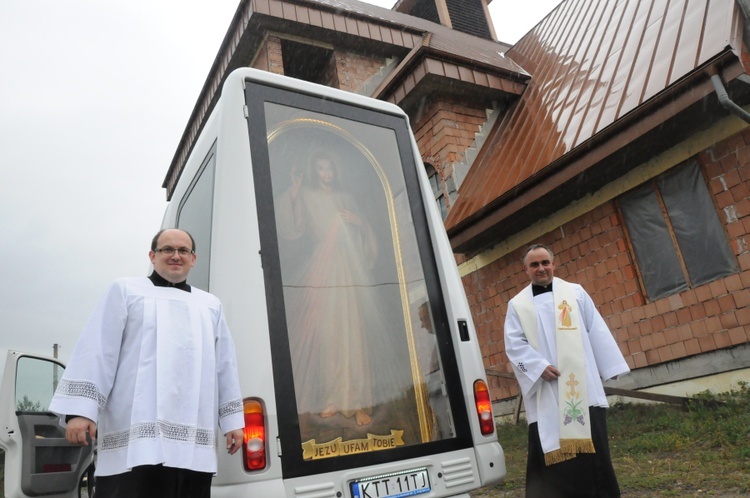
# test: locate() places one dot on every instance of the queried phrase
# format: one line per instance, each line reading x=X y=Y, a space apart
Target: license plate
x=396 y=485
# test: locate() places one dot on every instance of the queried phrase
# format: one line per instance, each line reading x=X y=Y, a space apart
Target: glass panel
x=657 y=258
x=435 y=183
x=367 y=375
x=195 y=216
x=696 y=225
x=36 y=381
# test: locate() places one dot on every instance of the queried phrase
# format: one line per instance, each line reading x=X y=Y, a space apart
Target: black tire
x=88 y=482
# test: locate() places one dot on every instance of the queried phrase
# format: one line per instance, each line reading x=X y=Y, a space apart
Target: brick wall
x=269 y=57
x=346 y=70
x=353 y=70
x=592 y=251
x=444 y=130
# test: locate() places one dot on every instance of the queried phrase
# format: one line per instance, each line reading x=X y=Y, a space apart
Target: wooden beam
x=662 y=398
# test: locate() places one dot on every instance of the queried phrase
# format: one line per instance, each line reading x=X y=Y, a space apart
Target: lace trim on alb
x=81 y=389
x=163 y=429
x=230 y=408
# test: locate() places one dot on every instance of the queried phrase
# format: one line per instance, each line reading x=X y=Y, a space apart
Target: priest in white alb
x=152 y=378
x=561 y=350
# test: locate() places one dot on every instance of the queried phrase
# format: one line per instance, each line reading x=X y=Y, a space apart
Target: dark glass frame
x=257 y=97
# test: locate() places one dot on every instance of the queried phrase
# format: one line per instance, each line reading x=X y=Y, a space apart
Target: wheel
x=87 y=483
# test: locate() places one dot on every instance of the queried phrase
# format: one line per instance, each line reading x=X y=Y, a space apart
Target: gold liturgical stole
x=564 y=426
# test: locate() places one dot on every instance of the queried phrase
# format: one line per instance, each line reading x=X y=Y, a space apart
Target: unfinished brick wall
x=592 y=251
x=269 y=57
x=353 y=70
x=346 y=70
x=444 y=131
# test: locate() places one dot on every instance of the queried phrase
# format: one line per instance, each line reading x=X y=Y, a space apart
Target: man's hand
x=77 y=430
x=550 y=373
x=234 y=441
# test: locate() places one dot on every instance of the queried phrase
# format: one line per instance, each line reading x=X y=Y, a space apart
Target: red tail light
x=484 y=407
x=254 y=449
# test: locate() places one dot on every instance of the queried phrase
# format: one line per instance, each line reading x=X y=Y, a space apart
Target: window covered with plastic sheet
x=676 y=234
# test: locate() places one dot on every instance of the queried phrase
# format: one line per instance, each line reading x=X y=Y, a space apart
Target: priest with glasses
x=152 y=378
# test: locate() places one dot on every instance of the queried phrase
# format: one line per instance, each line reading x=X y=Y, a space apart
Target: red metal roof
x=592 y=62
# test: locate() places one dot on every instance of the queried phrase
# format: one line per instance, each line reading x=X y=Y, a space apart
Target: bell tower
x=468 y=16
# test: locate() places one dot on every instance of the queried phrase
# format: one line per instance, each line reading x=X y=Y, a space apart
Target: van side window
x=195 y=216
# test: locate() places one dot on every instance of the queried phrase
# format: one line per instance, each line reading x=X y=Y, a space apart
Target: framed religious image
x=355 y=305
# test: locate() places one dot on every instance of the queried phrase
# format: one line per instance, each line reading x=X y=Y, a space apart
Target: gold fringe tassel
x=569 y=448
x=577 y=446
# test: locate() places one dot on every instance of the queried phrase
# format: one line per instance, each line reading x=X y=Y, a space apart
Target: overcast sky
x=94 y=97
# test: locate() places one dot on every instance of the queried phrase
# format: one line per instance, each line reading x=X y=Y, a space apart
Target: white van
x=316 y=226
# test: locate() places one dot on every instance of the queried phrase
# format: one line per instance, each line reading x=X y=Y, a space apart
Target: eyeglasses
x=182 y=251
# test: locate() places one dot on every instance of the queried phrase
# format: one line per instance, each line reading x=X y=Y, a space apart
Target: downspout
x=726 y=102
x=721 y=92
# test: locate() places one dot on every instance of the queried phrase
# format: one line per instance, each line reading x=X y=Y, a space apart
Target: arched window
x=437 y=189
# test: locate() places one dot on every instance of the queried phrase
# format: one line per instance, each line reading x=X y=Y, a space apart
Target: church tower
x=468 y=16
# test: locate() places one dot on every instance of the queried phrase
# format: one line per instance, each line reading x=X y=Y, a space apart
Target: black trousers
x=155 y=481
x=588 y=475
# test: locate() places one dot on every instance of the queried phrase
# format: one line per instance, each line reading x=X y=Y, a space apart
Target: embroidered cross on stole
x=564 y=426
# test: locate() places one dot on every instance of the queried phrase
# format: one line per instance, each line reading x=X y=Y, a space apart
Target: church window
x=675 y=232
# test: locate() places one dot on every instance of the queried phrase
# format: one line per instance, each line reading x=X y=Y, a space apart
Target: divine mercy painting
x=345 y=245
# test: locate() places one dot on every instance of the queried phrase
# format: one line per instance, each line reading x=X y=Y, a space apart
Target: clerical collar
x=539 y=289
x=160 y=281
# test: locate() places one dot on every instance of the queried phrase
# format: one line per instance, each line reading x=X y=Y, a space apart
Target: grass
x=661 y=450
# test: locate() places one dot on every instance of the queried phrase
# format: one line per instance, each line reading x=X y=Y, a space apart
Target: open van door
x=36 y=459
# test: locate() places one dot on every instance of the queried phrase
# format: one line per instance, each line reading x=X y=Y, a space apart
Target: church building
x=614 y=132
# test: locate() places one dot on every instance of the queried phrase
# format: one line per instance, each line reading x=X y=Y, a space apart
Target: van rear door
x=38 y=459
x=364 y=362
